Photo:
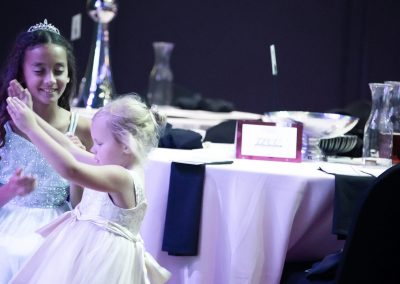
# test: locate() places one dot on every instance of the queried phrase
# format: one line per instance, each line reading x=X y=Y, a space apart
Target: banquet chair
x=372 y=248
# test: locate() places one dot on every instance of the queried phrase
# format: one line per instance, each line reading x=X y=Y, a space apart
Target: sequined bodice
x=96 y=203
x=52 y=189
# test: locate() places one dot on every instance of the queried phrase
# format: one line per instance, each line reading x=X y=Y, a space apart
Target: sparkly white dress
x=97 y=242
x=22 y=216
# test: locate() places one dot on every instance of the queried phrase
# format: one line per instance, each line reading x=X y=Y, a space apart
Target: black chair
x=371 y=252
x=372 y=248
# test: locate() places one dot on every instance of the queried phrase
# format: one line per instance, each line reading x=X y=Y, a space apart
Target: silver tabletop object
x=102 y=11
x=316 y=125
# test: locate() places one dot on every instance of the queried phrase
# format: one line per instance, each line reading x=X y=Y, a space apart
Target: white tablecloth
x=255 y=215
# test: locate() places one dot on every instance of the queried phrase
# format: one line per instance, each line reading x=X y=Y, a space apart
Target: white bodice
x=96 y=204
x=51 y=191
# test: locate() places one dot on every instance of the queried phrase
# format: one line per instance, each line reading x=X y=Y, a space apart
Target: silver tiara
x=44 y=27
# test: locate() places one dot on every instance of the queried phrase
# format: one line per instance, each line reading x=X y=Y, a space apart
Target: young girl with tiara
x=42 y=63
x=99 y=241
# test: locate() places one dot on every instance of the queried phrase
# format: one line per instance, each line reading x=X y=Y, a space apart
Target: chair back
x=372 y=247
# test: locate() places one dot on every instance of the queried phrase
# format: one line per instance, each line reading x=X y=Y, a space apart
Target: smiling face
x=107 y=150
x=45 y=71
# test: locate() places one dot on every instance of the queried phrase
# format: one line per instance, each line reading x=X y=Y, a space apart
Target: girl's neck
x=47 y=112
x=54 y=115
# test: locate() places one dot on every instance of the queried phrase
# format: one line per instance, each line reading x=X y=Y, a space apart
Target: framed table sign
x=268 y=141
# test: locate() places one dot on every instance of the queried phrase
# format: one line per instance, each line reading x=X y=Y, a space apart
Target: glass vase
x=160 y=90
x=394 y=115
x=378 y=131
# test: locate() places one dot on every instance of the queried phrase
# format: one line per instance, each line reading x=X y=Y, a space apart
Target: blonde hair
x=133 y=124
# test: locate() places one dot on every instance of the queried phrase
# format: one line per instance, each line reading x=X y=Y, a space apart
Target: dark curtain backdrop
x=327 y=51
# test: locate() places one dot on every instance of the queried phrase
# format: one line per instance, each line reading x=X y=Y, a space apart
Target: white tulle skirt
x=18 y=239
x=76 y=252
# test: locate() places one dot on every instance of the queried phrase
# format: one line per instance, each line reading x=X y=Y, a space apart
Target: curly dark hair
x=13 y=69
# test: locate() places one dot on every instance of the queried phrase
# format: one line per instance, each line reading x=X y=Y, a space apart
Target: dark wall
x=327 y=51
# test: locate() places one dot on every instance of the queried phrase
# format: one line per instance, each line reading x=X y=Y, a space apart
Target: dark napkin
x=216 y=105
x=177 y=138
x=183 y=216
x=197 y=102
x=349 y=192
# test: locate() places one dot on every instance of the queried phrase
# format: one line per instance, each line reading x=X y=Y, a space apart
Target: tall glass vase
x=378 y=131
x=394 y=115
x=161 y=78
x=97 y=86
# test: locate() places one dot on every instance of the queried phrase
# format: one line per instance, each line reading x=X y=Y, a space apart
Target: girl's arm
x=75 y=191
x=107 y=178
x=83 y=131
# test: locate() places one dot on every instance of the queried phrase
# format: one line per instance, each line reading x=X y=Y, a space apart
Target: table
x=190 y=119
x=256 y=215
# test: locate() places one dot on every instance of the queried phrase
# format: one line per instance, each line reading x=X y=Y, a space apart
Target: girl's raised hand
x=16 y=90
x=75 y=140
x=22 y=116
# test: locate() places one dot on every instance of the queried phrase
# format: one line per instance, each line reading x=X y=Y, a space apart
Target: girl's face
x=107 y=150
x=45 y=70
